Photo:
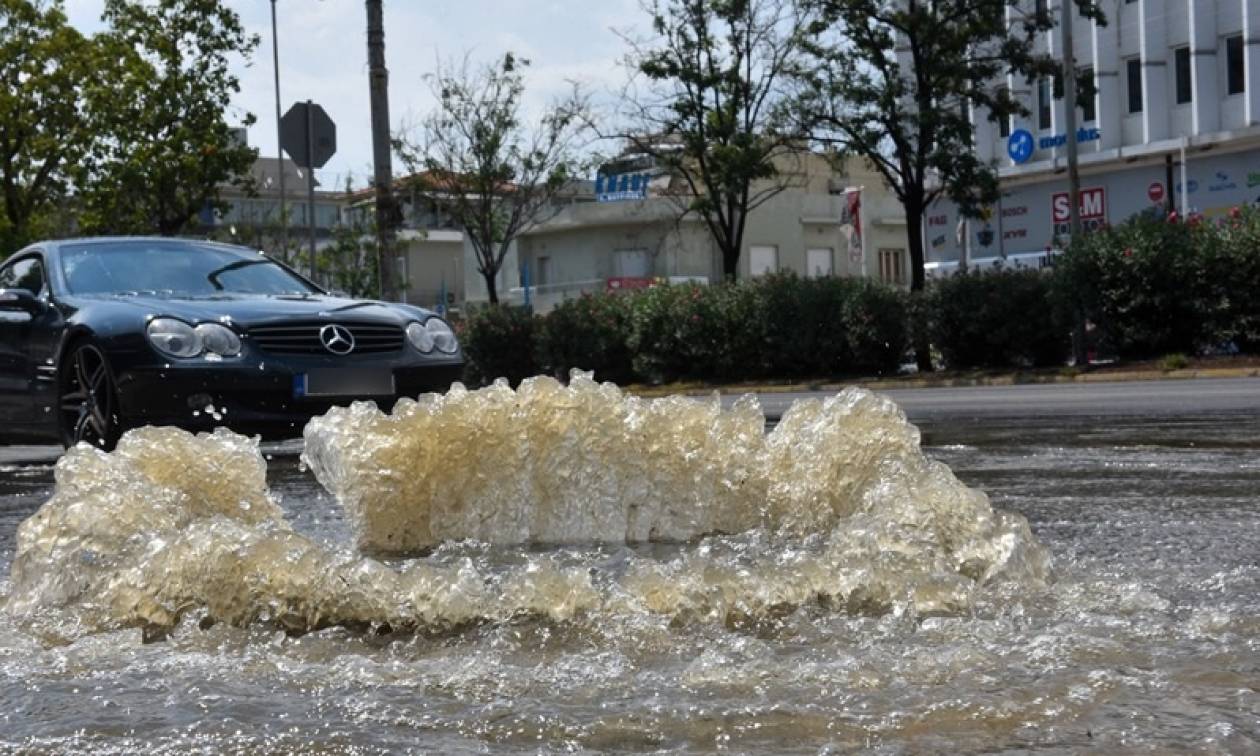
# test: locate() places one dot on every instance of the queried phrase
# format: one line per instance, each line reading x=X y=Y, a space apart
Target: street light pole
x=275 y=57
x=1080 y=352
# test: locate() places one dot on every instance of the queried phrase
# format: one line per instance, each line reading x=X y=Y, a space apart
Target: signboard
x=1155 y=192
x=1020 y=145
x=1093 y=205
x=322 y=137
x=623 y=283
x=621 y=187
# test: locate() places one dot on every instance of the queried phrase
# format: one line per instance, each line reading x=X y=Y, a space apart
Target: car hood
x=253 y=309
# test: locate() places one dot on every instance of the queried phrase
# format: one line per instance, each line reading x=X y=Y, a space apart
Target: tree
x=711 y=109
x=895 y=82
x=43 y=64
x=494 y=174
x=163 y=104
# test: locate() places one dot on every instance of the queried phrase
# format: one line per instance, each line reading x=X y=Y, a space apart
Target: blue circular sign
x=1020 y=145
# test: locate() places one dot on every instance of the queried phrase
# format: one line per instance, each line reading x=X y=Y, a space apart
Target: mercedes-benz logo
x=337 y=339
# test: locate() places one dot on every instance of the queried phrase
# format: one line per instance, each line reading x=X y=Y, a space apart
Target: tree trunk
x=730 y=263
x=491 y=289
x=914 y=241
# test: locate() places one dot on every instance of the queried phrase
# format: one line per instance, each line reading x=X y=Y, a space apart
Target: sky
x=323 y=57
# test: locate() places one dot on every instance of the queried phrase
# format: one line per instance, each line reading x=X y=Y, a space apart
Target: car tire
x=87 y=399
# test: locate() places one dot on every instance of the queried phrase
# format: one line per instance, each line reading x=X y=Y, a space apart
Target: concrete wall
x=433 y=258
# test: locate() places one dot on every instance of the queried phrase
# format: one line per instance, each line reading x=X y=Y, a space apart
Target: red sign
x=1093 y=205
x=1156 y=192
x=620 y=283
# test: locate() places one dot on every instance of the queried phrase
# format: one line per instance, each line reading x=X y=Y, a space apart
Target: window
x=632 y=263
x=1085 y=93
x=1004 y=123
x=762 y=260
x=27 y=273
x=818 y=262
x=1185 y=88
x=542 y=276
x=1235 y=71
x=891 y=269
x=1134 y=68
x=1043 y=104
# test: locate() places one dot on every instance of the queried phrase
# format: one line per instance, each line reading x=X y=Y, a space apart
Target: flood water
x=1146 y=637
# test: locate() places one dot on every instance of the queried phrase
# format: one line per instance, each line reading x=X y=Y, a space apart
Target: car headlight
x=218 y=339
x=434 y=333
x=420 y=337
x=174 y=337
x=443 y=337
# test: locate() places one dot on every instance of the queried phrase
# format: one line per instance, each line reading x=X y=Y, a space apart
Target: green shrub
x=1176 y=361
x=1147 y=284
x=875 y=319
x=498 y=341
x=1000 y=317
x=697 y=332
x=589 y=333
x=1235 y=276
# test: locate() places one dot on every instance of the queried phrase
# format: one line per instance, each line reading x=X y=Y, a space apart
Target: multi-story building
x=1177 y=92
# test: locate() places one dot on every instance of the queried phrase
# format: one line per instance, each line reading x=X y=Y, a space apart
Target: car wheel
x=88 y=401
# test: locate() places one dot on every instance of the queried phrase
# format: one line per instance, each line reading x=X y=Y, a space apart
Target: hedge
x=1150 y=287
x=1001 y=317
x=777 y=326
x=1156 y=286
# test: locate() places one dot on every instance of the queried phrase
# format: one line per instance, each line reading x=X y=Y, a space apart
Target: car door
x=17 y=330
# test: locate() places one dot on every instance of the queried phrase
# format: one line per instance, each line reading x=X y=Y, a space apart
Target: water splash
x=837 y=507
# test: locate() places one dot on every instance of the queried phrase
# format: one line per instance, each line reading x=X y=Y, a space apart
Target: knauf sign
x=620 y=187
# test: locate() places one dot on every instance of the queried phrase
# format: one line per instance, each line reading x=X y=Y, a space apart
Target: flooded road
x=1145 y=638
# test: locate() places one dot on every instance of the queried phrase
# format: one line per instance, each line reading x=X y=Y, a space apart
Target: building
x=1177 y=94
x=626 y=233
x=253 y=214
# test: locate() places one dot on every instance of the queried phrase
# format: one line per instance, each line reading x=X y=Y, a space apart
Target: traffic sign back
x=293 y=136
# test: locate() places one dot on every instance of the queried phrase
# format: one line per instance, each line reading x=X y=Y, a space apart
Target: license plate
x=344 y=382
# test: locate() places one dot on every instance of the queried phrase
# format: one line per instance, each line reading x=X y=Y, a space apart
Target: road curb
x=1014 y=379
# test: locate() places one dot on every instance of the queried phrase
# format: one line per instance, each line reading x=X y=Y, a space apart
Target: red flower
x=1235 y=212
x=1128 y=252
x=1172 y=217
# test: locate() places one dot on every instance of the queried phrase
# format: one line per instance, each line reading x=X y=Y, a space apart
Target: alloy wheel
x=88 y=402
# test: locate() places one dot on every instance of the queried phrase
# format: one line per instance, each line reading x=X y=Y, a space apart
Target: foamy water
x=836 y=507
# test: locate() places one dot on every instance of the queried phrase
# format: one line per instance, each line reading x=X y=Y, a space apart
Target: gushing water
x=837 y=506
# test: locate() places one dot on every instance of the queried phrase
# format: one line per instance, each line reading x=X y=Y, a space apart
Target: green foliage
x=349 y=263
x=491 y=171
x=915 y=129
x=779 y=327
x=998 y=318
x=1149 y=285
x=712 y=110
x=45 y=64
x=1176 y=361
x=1235 y=275
x=588 y=333
x=498 y=341
x=160 y=106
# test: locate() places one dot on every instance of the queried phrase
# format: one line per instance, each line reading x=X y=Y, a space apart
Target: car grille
x=303 y=338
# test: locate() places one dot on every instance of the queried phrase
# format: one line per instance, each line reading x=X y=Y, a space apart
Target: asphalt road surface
x=1172 y=398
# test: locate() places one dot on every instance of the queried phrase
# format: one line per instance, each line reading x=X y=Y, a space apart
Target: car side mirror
x=20 y=300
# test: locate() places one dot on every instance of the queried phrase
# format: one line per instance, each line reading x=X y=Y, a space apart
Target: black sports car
x=101 y=335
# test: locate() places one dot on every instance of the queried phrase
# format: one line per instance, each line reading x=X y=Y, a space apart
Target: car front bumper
x=258 y=394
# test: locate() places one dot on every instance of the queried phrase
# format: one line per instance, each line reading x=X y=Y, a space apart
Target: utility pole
x=275 y=59
x=1080 y=352
x=378 y=81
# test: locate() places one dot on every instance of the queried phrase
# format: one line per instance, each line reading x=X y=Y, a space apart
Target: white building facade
x=1175 y=80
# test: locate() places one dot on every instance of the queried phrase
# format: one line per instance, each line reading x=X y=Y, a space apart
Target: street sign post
x=310 y=138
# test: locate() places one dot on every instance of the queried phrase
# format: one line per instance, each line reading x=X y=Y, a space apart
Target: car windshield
x=173 y=267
